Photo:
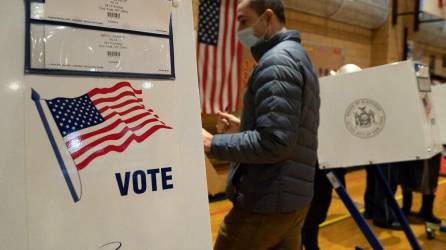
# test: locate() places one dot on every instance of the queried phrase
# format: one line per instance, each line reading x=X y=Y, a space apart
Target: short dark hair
x=260 y=6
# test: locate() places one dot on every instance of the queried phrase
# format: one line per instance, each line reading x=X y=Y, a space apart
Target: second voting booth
x=377 y=115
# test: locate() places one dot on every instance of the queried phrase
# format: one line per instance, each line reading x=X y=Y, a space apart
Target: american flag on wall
x=219 y=56
x=101 y=121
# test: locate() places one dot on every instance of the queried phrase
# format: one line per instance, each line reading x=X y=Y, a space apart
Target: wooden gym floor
x=340 y=231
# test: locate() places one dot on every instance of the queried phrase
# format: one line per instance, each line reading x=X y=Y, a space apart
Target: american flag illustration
x=219 y=56
x=103 y=120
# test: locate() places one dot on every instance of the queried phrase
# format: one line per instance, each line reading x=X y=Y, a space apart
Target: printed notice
x=68 y=48
x=151 y=16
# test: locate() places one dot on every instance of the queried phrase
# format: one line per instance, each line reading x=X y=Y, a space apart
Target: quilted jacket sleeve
x=277 y=85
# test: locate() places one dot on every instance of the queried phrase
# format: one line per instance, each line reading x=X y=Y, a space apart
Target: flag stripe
x=130 y=110
x=137 y=117
x=104 y=127
x=120 y=108
x=112 y=114
x=234 y=62
x=124 y=108
x=209 y=83
x=83 y=137
x=205 y=77
x=117 y=125
x=109 y=137
x=200 y=58
x=226 y=34
x=117 y=141
x=106 y=111
x=124 y=93
x=116 y=87
x=237 y=89
x=114 y=98
x=120 y=105
x=214 y=81
x=87 y=131
x=233 y=30
x=120 y=148
x=126 y=122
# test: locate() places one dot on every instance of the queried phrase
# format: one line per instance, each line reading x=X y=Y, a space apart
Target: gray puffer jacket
x=274 y=155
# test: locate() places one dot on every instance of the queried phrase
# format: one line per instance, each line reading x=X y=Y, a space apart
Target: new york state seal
x=365 y=118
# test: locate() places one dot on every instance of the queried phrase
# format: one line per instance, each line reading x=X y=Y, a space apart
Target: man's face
x=247 y=17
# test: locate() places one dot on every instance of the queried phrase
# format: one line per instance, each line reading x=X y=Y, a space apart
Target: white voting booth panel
x=377 y=115
x=146 y=190
x=439 y=97
x=433 y=7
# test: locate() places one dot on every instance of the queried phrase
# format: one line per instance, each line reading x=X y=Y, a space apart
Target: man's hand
x=207 y=140
x=227 y=123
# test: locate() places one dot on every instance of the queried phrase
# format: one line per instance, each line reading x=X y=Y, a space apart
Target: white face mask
x=248 y=38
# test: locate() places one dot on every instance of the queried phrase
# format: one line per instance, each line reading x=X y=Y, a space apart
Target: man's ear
x=269 y=15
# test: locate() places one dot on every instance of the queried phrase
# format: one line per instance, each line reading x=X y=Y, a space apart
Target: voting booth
x=439 y=97
x=378 y=115
x=101 y=131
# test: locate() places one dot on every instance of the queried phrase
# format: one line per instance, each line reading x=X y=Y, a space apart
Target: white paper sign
x=139 y=15
x=69 y=48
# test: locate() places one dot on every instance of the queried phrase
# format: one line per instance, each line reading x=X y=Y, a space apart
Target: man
x=273 y=148
x=376 y=203
x=420 y=176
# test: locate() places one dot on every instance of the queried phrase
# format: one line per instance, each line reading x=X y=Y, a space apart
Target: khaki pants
x=243 y=230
